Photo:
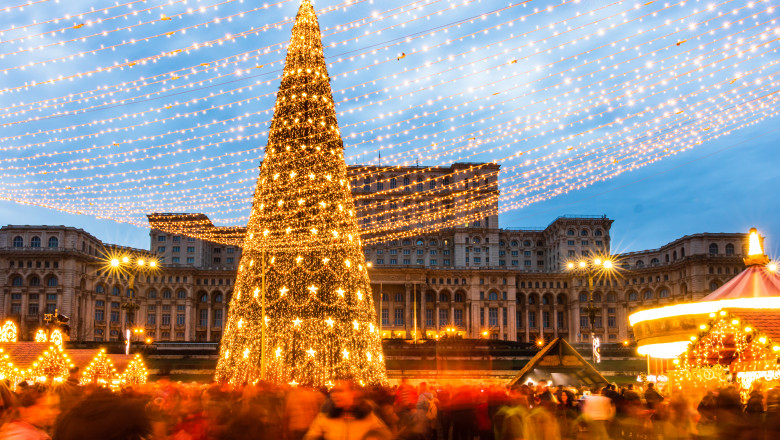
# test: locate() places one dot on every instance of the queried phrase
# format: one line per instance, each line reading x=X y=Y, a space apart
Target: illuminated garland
x=100 y=371
x=53 y=366
x=509 y=104
x=320 y=321
x=728 y=344
x=135 y=373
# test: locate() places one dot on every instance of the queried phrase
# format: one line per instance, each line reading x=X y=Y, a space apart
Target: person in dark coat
x=652 y=396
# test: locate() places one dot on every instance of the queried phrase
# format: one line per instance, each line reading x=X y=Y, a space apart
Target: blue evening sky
x=661 y=115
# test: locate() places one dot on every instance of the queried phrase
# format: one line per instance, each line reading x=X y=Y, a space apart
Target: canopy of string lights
x=119 y=109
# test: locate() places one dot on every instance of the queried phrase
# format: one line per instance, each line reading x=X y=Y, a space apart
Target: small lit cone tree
x=303 y=245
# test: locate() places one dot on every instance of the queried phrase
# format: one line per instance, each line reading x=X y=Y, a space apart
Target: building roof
x=23 y=354
x=767 y=321
x=559 y=362
x=754 y=282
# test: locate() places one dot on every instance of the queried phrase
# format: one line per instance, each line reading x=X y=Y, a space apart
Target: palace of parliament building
x=473 y=280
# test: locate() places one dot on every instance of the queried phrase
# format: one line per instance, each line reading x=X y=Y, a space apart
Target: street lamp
x=598 y=267
x=118 y=262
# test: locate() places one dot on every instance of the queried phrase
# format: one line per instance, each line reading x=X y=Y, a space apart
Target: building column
x=452 y=313
x=408 y=325
x=467 y=318
x=575 y=321
x=209 y=323
x=512 y=311
x=527 y=324
x=555 y=317
x=187 y=320
x=88 y=317
x=475 y=325
x=422 y=314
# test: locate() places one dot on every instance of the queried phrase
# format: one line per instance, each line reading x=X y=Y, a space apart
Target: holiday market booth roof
x=665 y=332
x=25 y=354
x=559 y=363
x=50 y=363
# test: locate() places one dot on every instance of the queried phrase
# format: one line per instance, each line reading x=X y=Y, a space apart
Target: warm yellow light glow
x=153 y=263
x=125 y=259
x=762 y=340
x=583 y=264
x=754 y=243
x=570 y=265
x=772 y=267
x=703 y=327
x=676 y=362
x=115 y=262
x=597 y=261
x=667 y=350
x=607 y=264
x=625 y=342
x=748 y=329
x=141 y=262
x=735 y=321
x=702 y=308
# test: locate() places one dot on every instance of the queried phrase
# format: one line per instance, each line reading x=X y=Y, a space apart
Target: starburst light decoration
x=302 y=252
x=8 y=332
x=40 y=336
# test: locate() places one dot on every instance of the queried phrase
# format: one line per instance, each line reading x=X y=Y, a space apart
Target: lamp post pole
x=262 y=321
x=589 y=269
x=117 y=263
x=591 y=315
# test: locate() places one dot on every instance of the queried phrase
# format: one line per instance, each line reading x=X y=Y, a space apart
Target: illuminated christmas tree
x=302 y=246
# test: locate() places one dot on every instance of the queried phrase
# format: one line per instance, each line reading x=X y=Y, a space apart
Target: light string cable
x=223 y=62
x=120 y=153
x=113 y=144
x=185 y=72
x=75 y=25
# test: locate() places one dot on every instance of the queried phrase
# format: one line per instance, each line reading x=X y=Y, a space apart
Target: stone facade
x=473 y=279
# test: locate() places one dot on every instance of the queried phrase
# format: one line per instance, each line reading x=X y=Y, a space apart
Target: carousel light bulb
x=754 y=243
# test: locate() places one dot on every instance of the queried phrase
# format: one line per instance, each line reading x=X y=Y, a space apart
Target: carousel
x=730 y=336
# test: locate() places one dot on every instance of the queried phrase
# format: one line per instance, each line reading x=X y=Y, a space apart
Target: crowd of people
x=162 y=410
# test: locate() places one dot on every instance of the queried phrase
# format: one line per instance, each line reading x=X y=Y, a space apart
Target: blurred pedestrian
x=34 y=415
x=103 y=416
x=345 y=416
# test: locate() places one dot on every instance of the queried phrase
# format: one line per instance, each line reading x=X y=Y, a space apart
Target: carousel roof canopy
x=560 y=363
x=664 y=331
x=753 y=282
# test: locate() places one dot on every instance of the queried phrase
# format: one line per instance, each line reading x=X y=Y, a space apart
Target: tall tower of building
x=303 y=261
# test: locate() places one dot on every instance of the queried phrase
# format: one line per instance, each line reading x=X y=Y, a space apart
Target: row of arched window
x=546 y=299
x=584 y=232
x=35 y=242
x=430 y=297
x=714 y=249
x=407 y=183
x=34 y=281
x=204 y=298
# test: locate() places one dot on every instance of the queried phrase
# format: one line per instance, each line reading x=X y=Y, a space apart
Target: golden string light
x=303 y=303
x=515 y=168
